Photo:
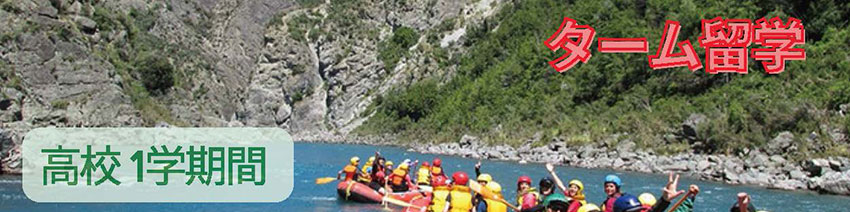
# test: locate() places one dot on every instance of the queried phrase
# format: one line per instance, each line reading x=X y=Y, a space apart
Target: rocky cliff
x=312 y=67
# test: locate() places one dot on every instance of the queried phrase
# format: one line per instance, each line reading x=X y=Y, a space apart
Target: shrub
x=155 y=72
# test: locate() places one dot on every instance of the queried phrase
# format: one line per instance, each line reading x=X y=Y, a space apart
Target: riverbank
x=823 y=175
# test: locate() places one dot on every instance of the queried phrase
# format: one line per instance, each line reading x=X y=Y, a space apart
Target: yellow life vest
x=438 y=201
x=495 y=206
x=461 y=199
x=436 y=170
x=423 y=176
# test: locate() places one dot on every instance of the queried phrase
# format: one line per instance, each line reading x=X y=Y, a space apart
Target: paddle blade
x=324 y=180
x=399 y=202
x=486 y=193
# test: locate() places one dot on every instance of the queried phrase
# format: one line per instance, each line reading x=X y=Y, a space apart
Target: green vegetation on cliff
x=505 y=92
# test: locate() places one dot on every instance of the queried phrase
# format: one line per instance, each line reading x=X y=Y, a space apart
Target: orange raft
x=419 y=199
x=359 y=192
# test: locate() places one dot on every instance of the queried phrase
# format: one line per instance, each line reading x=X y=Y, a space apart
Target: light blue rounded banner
x=158 y=165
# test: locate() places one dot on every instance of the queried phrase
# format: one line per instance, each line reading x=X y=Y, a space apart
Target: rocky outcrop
x=236 y=63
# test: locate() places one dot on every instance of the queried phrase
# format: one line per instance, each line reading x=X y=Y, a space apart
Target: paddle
x=400 y=203
x=486 y=193
x=680 y=201
x=324 y=180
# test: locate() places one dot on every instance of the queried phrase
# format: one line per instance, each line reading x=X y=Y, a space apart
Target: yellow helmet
x=647 y=199
x=354 y=160
x=590 y=207
x=577 y=183
x=485 y=177
x=389 y=163
x=371 y=159
x=403 y=166
x=494 y=187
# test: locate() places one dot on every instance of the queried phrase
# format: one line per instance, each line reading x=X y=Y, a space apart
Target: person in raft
x=575 y=192
x=437 y=169
x=630 y=203
x=378 y=174
x=399 y=179
x=439 y=195
x=350 y=170
x=527 y=196
x=366 y=171
x=460 y=196
x=492 y=204
x=547 y=190
x=612 y=189
x=483 y=180
x=423 y=175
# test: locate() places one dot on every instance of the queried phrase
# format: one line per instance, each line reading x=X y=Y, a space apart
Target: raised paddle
x=324 y=180
x=486 y=193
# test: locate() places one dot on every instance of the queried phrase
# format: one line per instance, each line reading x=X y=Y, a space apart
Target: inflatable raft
x=358 y=192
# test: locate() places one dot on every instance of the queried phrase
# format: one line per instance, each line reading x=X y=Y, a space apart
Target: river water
x=315 y=160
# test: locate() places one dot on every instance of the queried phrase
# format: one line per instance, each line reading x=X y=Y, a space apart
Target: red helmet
x=437 y=162
x=439 y=180
x=460 y=178
x=523 y=179
x=425 y=164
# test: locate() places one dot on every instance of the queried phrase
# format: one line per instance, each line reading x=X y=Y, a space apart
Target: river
x=314 y=160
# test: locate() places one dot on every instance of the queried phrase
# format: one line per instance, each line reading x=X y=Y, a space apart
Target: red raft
x=419 y=199
x=359 y=192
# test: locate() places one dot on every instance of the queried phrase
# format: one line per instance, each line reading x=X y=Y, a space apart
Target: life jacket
x=350 y=171
x=435 y=171
x=438 y=200
x=575 y=205
x=531 y=191
x=423 y=176
x=365 y=174
x=495 y=206
x=608 y=205
x=461 y=199
x=398 y=177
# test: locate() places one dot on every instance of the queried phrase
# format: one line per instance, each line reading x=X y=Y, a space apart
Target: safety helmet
x=613 y=179
x=627 y=203
x=523 y=179
x=590 y=207
x=371 y=159
x=425 y=164
x=439 y=180
x=546 y=183
x=577 y=183
x=389 y=163
x=437 y=162
x=556 y=200
x=647 y=199
x=403 y=166
x=460 y=178
x=494 y=187
x=354 y=160
x=485 y=177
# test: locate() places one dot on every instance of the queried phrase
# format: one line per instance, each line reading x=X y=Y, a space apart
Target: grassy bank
x=505 y=92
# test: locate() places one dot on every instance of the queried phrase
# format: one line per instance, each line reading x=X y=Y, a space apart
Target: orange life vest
x=350 y=171
x=398 y=177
